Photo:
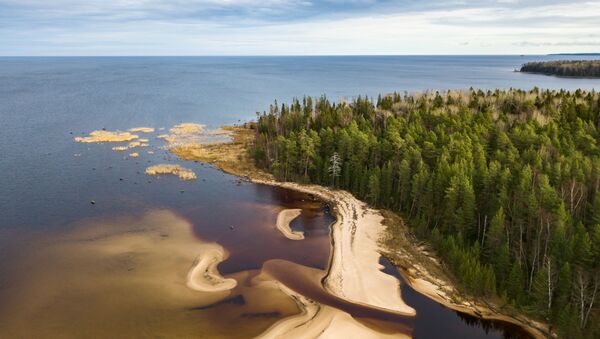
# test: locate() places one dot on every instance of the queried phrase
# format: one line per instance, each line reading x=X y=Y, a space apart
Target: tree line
x=567 y=68
x=503 y=184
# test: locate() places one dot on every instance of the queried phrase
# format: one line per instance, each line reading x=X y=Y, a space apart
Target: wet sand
x=325 y=315
x=128 y=277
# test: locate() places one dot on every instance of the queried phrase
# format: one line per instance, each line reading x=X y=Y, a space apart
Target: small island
x=564 y=68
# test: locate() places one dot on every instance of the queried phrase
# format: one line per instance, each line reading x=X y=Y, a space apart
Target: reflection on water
x=129 y=278
x=449 y=323
x=125 y=277
x=50 y=284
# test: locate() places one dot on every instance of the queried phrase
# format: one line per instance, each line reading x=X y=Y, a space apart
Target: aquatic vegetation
x=181 y=172
x=142 y=130
x=107 y=136
x=187 y=128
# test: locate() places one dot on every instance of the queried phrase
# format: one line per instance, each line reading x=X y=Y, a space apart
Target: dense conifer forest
x=567 y=68
x=504 y=184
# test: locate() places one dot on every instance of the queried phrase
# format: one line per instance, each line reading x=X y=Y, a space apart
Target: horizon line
x=285 y=55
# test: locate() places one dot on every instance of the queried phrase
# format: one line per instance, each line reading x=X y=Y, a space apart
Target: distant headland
x=585 y=54
x=564 y=68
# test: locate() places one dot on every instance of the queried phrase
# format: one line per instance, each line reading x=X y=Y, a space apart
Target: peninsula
x=565 y=68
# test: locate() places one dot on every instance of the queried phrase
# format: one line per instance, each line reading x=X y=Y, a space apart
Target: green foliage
x=503 y=183
x=570 y=68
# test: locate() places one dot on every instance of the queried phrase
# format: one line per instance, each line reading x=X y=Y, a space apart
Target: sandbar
x=283 y=223
x=204 y=275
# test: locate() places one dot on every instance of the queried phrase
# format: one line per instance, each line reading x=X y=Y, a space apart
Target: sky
x=286 y=27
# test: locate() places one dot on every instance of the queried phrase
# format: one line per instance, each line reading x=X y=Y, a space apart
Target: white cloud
x=499 y=28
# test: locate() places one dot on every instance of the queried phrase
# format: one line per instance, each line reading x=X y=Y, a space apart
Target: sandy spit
x=354 y=271
x=204 y=275
x=284 y=218
x=317 y=317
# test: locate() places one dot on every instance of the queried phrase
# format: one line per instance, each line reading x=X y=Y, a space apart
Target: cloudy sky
x=286 y=27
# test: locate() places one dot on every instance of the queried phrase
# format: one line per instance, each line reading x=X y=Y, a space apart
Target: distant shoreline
x=559 y=76
x=582 y=54
x=584 y=69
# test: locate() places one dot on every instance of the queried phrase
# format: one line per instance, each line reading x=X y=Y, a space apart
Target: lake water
x=48 y=180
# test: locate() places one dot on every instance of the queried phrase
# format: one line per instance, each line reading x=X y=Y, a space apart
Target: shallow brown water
x=118 y=268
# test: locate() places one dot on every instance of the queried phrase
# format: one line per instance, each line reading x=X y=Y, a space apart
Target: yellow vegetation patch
x=142 y=130
x=181 y=172
x=134 y=155
x=107 y=136
x=187 y=128
x=120 y=148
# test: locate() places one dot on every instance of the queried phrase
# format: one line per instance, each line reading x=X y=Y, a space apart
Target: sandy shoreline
x=354 y=273
x=284 y=218
x=425 y=274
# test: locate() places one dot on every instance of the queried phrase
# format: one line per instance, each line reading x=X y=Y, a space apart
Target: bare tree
x=335 y=166
x=586 y=289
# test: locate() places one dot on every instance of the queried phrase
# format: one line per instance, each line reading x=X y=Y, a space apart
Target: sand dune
x=283 y=223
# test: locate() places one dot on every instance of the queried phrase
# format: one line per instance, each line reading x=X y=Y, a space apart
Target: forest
x=566 y=68
x=503 y=184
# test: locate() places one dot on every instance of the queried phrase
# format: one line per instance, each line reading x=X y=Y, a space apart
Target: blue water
x=42 y=100
x=47 y=181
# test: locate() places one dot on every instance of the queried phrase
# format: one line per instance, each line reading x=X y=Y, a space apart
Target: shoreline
x=424 y=272
x=232 y=157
